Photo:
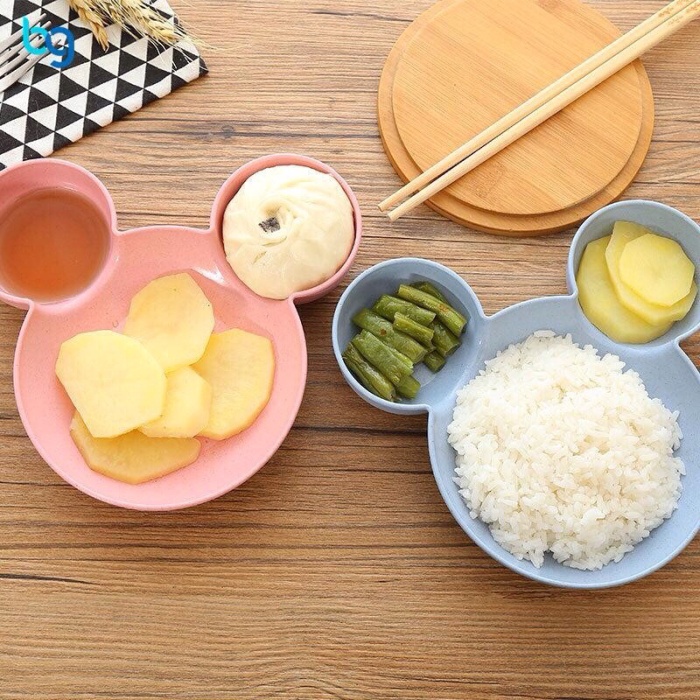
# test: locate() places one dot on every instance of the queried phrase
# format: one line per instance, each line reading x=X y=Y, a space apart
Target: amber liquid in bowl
x=53 y=243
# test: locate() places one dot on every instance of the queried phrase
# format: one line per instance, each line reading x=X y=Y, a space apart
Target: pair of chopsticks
x=543 y=105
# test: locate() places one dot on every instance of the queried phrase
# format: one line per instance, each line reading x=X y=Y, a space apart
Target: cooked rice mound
x=560 y=450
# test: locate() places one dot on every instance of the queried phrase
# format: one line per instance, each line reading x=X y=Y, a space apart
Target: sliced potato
x=240 y=367
x=623 y=233
x=657 y=269
x=601 y=305
x=133 y=458
x=112 y=380
x=173 y=318
x=187 y=405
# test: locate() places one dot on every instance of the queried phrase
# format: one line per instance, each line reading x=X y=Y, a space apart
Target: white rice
x=560 y=450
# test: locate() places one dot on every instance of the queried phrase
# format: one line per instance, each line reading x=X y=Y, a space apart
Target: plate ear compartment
x=31 y=176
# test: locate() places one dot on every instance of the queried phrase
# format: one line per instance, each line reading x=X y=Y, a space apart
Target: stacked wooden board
x=465 y=63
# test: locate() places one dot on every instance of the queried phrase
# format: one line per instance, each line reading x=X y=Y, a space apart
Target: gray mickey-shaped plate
x=665 y=369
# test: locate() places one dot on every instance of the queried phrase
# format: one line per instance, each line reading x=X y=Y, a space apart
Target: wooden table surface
x=337 y=571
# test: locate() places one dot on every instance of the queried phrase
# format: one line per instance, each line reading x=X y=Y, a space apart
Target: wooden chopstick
x=543 y=105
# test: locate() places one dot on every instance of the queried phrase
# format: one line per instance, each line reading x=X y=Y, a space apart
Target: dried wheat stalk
x=92 y=19
x=135 y=16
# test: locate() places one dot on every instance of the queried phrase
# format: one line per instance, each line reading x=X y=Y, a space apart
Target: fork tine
x=19 y=59
x=18 y=53
x=12 y=39
x=13 y=77
x=20 y=49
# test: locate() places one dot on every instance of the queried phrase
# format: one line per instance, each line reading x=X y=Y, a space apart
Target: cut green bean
x=408 y=387
x=422 y=334
x=387 y=306
x=434 y=361
x=353 y=355
x=401 y=357
x=384 y=358
x=376 y=325
x=418 y=324
x=454 y=321
x=368 y=376
x=430 y=288
x=444 y=340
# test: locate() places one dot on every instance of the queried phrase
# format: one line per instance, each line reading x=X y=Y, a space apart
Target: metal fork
x=15 y=60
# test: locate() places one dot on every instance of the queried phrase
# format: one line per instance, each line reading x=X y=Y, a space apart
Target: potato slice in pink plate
x=240 y=368
x=133 y=458
x=173 y=320
x=113 y=381
x=186 y=409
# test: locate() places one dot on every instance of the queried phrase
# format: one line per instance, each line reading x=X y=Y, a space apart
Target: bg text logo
x=63 y=46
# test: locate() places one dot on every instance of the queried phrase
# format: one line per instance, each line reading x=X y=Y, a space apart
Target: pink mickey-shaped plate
x=135 y=258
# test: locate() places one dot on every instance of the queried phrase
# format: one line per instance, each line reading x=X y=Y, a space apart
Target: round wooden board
x=476 y=61
x=563 y=190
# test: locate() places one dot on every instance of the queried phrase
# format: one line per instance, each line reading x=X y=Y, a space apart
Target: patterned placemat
x=51 y=107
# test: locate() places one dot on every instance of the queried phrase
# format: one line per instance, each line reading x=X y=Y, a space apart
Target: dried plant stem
x=153 y=23
x=92 y=19
x=135 y=16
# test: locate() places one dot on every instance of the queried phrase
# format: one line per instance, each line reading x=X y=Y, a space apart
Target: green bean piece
x=401 y=357
x=384 y=358
x=368 y=376
x=434 y=361
x=408 y=387
x=454 y=321
x=383 y=329
x=387 y=306
x=444 y=340
x=430 y=288
x=354 y=356
x=422 y=334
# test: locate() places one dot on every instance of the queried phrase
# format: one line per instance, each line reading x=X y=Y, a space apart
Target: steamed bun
x=287 y=229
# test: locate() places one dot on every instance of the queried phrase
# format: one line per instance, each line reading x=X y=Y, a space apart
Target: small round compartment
x=384 y=278
x=136 y=258
x=665 y=370
x=658 y=217
x=53 y=215
x=234 y=183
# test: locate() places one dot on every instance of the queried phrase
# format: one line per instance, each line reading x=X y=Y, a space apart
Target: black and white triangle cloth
x=51 y=107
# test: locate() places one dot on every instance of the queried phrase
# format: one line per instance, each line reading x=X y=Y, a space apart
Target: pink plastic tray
x=135 y=258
